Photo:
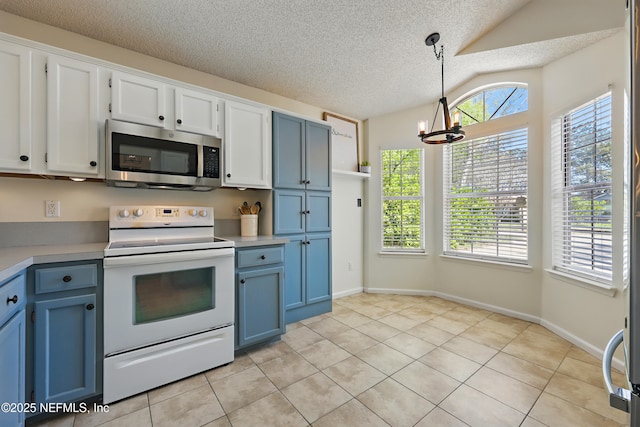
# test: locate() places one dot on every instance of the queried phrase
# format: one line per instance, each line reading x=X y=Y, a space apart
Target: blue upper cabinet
x=301 y=154
x=289 y=152
x=318 y=156
x=317 y=211
x=290 y=208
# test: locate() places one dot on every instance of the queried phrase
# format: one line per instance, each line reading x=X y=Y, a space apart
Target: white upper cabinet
x=151 y=102
x=15 y=108
x=196 y=112
x=72 y=117
x=246 y=146
x=138 y=100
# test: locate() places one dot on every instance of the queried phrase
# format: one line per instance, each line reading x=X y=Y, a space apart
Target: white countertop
x=15 y=259
x=245 y=242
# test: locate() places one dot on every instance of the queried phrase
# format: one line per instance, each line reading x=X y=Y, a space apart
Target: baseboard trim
x=392 y=291
x=579 y=342
x=573 y=339
x=348 y=292
x=489 y=307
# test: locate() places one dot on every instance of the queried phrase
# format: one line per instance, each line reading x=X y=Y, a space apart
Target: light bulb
x=422 y=127
x=456 y=118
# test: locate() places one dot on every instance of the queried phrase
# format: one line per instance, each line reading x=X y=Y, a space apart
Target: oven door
x=154 y=298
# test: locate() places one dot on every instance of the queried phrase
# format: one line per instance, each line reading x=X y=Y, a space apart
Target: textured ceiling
x=357 y=58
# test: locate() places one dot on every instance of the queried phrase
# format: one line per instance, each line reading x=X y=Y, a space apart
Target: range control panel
x=159 y=216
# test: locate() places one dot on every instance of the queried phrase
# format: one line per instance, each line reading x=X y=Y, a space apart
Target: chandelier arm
x=435 y=116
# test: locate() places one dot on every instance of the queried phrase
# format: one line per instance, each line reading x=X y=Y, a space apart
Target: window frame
x=490 y=195
x=562 y=188
x=421 y=198
x=483 y=92
x=493 y=127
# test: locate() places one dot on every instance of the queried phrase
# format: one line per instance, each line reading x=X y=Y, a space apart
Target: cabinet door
x=138 y=100
x=260 y=305
x=318 y=161
x=15 y=107
x=288 y=152
x=65 y=348
x=318 y=274
x=318 y=211
x=12 y=365
x=295 y=272
x=247 y=152
x=289 y=211
x=72 y=117
x=196 y=112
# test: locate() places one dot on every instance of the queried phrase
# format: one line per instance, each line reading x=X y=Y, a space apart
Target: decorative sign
x=345 y=147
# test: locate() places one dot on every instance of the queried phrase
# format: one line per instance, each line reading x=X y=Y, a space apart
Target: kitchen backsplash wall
x=14 y=234
x=84 y=207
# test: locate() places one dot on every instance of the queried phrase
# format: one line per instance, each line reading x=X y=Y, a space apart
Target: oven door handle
x=166 y=257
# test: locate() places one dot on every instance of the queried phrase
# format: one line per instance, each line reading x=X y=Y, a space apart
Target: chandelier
x=450 y=133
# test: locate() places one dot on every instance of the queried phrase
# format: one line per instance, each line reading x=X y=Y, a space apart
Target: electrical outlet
x=52 y=208
x=350 y=266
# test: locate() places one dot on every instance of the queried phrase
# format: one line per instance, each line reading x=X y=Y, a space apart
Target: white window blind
x=485 y=197
x=402 y=180
x=582 y=191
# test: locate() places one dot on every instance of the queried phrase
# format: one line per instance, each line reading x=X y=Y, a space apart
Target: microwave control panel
x=211 y=162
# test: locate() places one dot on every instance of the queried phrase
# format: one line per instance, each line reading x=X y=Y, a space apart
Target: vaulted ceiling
x=357 y=58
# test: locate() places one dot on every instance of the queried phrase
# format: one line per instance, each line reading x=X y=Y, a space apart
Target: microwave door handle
x=200 y=171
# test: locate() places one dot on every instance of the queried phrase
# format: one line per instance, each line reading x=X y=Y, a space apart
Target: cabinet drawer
x=58 y=279
x=12 y=297
x=260 y=256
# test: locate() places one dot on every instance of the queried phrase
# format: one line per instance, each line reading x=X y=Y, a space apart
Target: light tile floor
x=380 y=360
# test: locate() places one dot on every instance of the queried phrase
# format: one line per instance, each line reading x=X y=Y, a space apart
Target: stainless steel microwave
x=150 y=157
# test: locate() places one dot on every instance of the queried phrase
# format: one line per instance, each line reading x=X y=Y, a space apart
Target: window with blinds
x=402 y=199
x=485 y=197
x=582 y=191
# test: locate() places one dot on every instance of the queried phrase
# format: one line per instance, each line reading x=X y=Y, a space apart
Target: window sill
x=489 y=263
x=592 y=285
x=401 y=253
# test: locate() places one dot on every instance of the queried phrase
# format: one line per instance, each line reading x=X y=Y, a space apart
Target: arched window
x=486 y=177
x=491 y=103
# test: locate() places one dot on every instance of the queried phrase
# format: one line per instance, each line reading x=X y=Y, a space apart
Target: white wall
x=22 y=199
x=512 y=289
x=582 y=315
x=347 y=233
x=568 y=83
x=397 y=273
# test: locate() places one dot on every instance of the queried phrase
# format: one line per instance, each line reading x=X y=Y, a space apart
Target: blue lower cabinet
x=12 y=351
x=308 y=288
x=65 y=348
x=295 y=253
x=259 y=295
x=64 y=332
x=318 y=268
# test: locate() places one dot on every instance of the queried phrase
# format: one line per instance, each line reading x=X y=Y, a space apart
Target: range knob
x=124 y=213
x=203 y=213
x=192 y=212
x=138 y=212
